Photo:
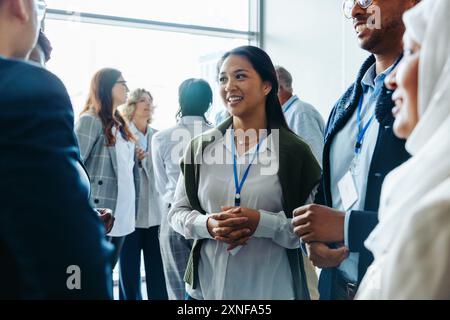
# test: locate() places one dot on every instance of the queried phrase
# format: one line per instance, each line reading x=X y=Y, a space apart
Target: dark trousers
x=145 y=240
x=118 y=244
x=342 y=289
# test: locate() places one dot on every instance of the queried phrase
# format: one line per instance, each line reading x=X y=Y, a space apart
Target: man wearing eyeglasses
x=360 y=150
x=52 y=243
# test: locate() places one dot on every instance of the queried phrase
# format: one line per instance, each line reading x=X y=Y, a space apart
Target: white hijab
x=412 y=185
x=429 y=25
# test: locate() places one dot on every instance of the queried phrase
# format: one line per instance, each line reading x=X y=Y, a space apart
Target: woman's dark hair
x=100 y=99
x=263 y=65
x=195 y=97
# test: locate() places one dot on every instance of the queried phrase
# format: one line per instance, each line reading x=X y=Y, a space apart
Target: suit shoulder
x=32 y=88
x=27 y=76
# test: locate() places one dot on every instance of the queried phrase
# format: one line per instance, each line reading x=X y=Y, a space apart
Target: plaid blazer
x=100 y=162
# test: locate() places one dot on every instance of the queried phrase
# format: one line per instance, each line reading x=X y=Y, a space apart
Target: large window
x=156 y=44
x=230 y=14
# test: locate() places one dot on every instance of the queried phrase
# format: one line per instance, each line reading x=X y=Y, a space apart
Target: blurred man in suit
x=52 y=243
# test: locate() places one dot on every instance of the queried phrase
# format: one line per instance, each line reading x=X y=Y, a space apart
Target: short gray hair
x=284 y=78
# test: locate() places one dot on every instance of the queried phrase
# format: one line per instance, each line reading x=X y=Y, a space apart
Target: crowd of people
x=266 y=203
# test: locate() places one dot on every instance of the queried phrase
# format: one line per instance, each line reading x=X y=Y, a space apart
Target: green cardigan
x=298 y=173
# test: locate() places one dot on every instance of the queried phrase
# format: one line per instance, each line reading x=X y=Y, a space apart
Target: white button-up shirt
x=259 y=270
x=167 y=150
x=125 y=213
x=142 y=141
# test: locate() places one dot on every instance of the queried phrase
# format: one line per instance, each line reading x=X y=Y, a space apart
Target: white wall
x=313 y=40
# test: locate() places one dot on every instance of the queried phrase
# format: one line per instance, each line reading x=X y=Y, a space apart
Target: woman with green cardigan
x=241 y=182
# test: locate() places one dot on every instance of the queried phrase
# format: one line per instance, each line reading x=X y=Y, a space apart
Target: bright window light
x=230 y=14
x=155 y=60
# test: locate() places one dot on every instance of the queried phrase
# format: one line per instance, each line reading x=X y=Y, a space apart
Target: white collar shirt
x=259 y=270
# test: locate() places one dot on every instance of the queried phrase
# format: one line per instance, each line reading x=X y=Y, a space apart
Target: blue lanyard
x=361 y=130
x=238 y=185
x=291 y=104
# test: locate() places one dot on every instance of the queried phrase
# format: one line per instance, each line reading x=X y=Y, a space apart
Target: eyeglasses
x=348 y=6
x=41 y=8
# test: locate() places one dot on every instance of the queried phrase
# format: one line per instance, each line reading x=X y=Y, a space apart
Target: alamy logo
x=74 y=280
x=374 y=20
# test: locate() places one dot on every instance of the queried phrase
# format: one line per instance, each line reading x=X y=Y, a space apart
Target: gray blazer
x=100 y=161
x=149 y=212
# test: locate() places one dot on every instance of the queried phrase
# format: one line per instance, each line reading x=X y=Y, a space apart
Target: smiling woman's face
x=242 y=90
x=405 y=81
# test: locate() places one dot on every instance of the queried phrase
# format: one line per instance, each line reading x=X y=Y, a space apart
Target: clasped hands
x=234 y=225
x=318 y=226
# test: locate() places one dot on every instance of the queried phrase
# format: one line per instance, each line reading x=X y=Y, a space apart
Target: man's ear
x=21 y=9
x=267 y=87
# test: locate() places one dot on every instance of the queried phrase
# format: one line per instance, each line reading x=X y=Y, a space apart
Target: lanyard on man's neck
x=291 y=104
x=363 y=129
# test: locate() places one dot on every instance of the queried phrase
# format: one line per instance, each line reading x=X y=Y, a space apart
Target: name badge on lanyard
x=347 y=190
x=346 y=186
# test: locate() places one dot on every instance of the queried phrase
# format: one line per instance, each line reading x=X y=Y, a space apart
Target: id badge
x=347 y=190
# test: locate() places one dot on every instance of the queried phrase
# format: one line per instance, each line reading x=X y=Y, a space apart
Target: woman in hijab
x=411 y=244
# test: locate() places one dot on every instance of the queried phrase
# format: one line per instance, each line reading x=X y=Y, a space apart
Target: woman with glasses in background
x=107 y=148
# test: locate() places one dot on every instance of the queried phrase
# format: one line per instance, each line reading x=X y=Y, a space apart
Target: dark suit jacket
x=389 y=153
x=47 y=224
